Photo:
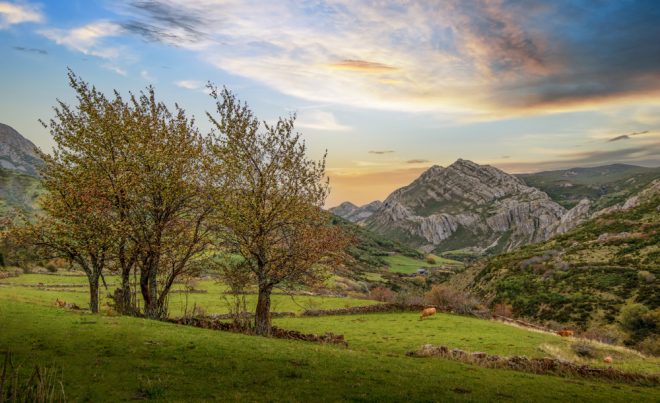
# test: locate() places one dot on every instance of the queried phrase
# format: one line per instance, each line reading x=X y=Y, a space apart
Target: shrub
x=505 y=310
x=650 y=346
x=603 y=334
x=430 y=259
x=408 y=297
x=383 y=294
x=583 y=349
x=449 y=298
x=51 y=268
x=639 y=321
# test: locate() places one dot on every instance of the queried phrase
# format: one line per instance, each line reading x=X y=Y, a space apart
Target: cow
x=61 y=304
x=607 y=360
x=427 y=312
x=565 y=333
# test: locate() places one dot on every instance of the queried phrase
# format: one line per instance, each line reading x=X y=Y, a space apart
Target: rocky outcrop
x=17 y=153
x=574 y=217
x=353 y=213
x=469 y=205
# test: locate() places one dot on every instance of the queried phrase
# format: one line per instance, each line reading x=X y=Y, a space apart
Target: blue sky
x=389 y=88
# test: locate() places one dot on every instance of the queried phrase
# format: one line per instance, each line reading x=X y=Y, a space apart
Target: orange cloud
x=363 y=66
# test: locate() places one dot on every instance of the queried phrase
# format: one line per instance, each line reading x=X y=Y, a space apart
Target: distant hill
x=371 y=250
x=356 y=214
x=582 y=277
x=603 y=186
x=17 y=153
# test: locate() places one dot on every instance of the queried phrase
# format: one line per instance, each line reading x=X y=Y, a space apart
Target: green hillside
x=583 y=278
x=18 y=191
x=604 y=186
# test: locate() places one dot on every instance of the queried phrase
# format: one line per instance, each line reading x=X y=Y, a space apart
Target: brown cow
x=565 y=333
x=427 y=312
x=61 y=304
x=607 y=360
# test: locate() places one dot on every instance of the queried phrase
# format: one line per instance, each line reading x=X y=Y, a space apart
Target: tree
x=269 y=199
x=75 y=222
x=147 y=166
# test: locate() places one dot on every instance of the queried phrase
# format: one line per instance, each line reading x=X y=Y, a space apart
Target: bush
x=583 y=349
x=430 y=259
x=505 y=310
x=449 y=298
x=383 y=294
x=639 y=321
x=650 y=346
x=603 y=334
x=51 y=268
x=408 y=297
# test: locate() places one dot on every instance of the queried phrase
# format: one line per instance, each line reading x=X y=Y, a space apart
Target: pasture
x=110 y=358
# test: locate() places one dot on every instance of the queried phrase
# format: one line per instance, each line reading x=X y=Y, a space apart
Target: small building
x=421 y=271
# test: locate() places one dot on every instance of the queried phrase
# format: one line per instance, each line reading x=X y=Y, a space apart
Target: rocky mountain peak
x=467 y=205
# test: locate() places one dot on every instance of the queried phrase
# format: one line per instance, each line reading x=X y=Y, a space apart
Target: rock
x=473 y=206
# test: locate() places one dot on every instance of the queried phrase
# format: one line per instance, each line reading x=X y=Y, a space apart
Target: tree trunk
x=125 y=303
x=262 y=315
x=94 y=294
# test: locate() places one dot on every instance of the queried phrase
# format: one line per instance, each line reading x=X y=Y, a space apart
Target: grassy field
x=408 y=265
x=397 y=333
x=106 y=358
x=213 y=301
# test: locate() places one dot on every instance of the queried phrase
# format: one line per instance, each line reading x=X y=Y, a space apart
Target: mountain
x=585 y=276
x=603 y=186
x=353 y=213
x=467 y=205
x=18 y=191
x=17 y=153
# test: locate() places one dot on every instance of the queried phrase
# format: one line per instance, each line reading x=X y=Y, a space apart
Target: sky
x=388 y=88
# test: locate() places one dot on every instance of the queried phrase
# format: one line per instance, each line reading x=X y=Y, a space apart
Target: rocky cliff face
x=353 y=213
x=469 y=205
x=16 y=152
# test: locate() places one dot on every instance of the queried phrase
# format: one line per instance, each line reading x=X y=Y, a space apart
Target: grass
x=397 y=333
x=407 y=265
x=105 y=358
x=213 y=301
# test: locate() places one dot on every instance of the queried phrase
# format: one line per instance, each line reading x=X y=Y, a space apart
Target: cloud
x=146 y=75
x=159 y=21
x=87 y=39
x=362 y=65
x=617 y=138
x=627 y=136
x=320 y=120
x=417 y=161
x=645 y=154
x=381 y=152
x=30 y=50
x=12 y=14
x=190 y=84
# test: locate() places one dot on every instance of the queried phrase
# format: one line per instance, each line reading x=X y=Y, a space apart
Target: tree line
x=135 y=189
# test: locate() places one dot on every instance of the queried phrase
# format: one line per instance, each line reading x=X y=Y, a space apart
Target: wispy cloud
x=626 y=136
x=381 y=152
x=87 y=39
x=30 y=50
x=189 y=84
x=18 y=13
x=362 y=65
x=417 y=161
x=320 y=120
